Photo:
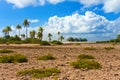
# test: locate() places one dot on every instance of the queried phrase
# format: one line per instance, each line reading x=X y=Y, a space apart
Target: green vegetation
x=39 y=73
x=71 y=39
x=54 y=42
x=85 y=56
x=109 y=48
x=89 y=48
x=46 y=57
x=45 y=43
x=86 y=64
x=6 y=51
x=16 y=58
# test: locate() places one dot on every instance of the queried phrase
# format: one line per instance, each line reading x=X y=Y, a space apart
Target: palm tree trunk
x=26 y=31
x=19 y=33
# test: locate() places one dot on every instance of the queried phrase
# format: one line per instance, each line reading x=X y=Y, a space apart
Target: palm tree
x=49 y=36
x=5 y=31
x=23 y=36
x=39 y=35
x=8 y=28
x=58 y=35
x=26 y=24
x=18 y=27
x=40 y=32
x=61 y=38
x=32 y=34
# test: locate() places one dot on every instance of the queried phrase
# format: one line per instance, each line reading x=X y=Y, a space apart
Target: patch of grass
x=90 y=48
x=16 y=58
x=39 y=73
x=86 y=64
x=6 y=51
x=56 y=42
x=85 y=56
x=46 y=57
x=109 y=48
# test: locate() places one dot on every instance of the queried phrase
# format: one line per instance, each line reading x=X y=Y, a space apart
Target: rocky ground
x=110 y=61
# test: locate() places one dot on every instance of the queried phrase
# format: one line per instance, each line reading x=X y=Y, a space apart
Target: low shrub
x=16 y=58
x=109 y=48
x=44 y=43
x=6 y=51
x=86 y=64
x=85 y=56
x=46 y=57
x=39 y=73
x=89 y=48
x=55 y=42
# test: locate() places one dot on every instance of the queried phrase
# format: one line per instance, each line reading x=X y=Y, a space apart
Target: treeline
x=34 y=36
x=72 y=39
x=112 y=40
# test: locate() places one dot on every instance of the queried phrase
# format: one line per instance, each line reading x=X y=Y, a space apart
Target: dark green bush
x=44 y=43
x=86 y=64
x=85 y=56
x=16 y=58
x=39 y=73
x=6 y=51
x=56 y=42
x=46 y=57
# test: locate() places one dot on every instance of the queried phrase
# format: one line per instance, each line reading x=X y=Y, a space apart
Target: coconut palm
x=32 y=34
x=61 y=38
x=39 y=36
x=5 y=31
x=26 y=24
x=8 y=28
x=58 y=35
x=40 y=33
x=18 y=27
x=49 y=36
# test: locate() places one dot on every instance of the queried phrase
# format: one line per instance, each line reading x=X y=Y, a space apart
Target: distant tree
x=32 y=34
x=5 y=31
x=18 y=27
x=26 y=24
x=40 y=33
x=49 y=36
x=23 y=36
x=8 y=28
x=61 y=38
x=71 y=39
x=39 y=36
x=58 y=35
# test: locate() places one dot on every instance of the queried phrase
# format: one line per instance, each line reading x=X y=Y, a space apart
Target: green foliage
x=55 y=42
x=16 y=58
x=6 y=51
x=71 y=39
x=109 y=48
x=39 y=73
x=86 y=64
x=46 y=57
x=89 y=48
x=44 y=43
x=85 y=56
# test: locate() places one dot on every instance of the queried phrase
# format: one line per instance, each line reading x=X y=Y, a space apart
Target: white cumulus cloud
x=33 y=20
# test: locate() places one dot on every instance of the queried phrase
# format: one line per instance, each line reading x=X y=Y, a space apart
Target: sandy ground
x=65 y=54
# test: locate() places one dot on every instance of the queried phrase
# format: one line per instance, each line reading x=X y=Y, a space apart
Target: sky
x=91 y=19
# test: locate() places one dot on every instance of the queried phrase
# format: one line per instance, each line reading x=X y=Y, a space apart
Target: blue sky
x=92 y=19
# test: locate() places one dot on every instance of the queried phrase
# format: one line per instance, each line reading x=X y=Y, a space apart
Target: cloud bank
x=86 y=3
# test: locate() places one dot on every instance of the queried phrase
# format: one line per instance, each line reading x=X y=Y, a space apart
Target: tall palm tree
x=61 y=38
x=49 y=36
x=18 y=27
x=8 y=28
x=32 y=34
x=40 y=32
x=39 y=36
x=26 y=24
x=58 y=35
